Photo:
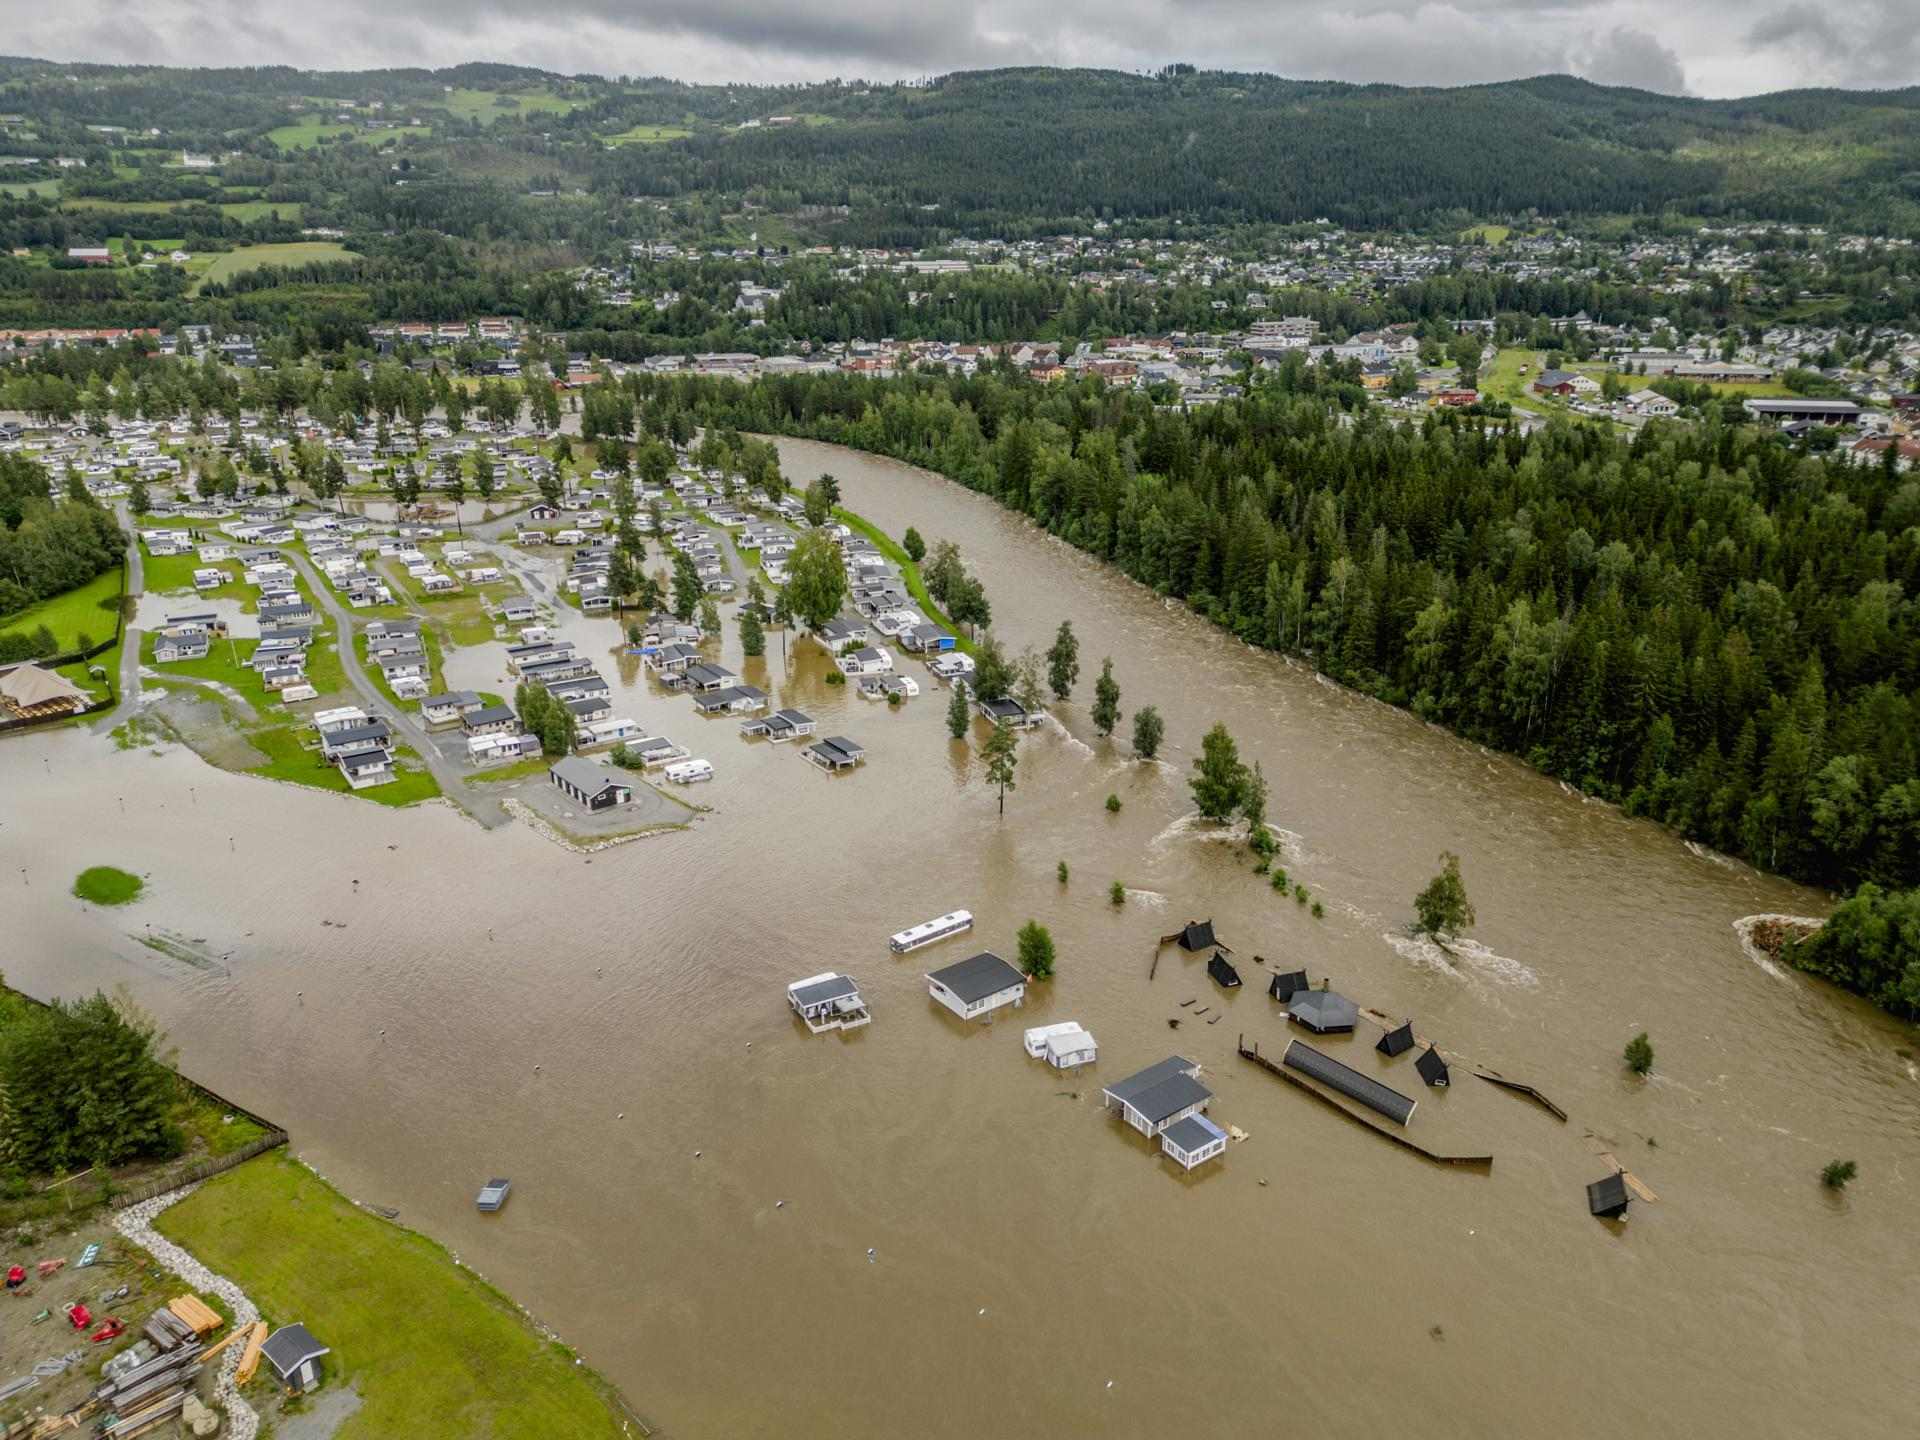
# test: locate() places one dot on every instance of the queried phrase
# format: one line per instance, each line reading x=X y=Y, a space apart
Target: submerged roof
x=1221 y=969
x=1349 y=1082
x=819 y=992
x=1608 y=1198
x=1285 y=987
x=1398 y=1041
x=1432 y=1068
x=1125 y=1090
x=978 y=976
x=1323 y=1010
x=1197 y=935
x=1169 y=1097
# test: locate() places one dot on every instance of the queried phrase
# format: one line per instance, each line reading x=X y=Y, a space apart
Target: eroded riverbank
x=645 y=982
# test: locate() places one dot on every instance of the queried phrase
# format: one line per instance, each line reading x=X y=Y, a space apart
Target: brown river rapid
x=495 y=1004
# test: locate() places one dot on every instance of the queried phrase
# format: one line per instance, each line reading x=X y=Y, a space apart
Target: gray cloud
x=1654 y=44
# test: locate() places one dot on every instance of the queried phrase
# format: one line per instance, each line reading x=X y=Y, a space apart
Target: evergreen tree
x=1106 y=700
x=1063 y=662
x=1036 y=951
x=687 y=589
x=915 y=547
x=1002 y=756
x=753 y=635
x=1148 y=731
x=957 y=714
x=1219 y=780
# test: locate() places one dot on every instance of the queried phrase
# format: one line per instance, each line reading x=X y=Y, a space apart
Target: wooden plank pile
x=141 y=1399
x=199 y=1317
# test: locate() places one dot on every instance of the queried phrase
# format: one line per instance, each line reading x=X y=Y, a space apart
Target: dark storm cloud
x=1654 y=44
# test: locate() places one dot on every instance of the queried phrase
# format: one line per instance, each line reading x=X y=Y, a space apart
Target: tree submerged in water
x=1639 y=1054
x=1036 y=951
x=1836 y=1173
x=1443 y=909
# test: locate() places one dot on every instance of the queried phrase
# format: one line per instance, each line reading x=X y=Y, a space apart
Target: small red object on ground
x=16 y=1277
x=112 y=1330
x=80 y=1317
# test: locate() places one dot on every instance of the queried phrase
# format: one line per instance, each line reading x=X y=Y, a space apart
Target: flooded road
x=610 y=1031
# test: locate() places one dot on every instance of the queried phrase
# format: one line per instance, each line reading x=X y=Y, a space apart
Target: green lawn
x=1486 y=235
x=252 y=257
x=104 y=885
x=484 y=105
x=288 y=759
x=432 y=1350
x=649 y=135
x=107 y=662
x=88 y=611
x=44 y=189
x=173 y=575
x=245 y=210
x=916 y=587
x=306 y=134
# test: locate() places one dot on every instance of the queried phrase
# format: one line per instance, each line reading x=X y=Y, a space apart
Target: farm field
x=252 y=257
x=87 y=610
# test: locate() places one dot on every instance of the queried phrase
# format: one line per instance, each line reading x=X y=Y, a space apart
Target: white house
x=828 y=1002
x=1161 y=1095
x=976 y=987
x=1062 y=1046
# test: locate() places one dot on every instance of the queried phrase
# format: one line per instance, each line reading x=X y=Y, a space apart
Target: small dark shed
x=1608 y=1198
x=1223 y=973
x=1285 y=987
x=1432 y=1068
x=1198 y=935
x=1397 y=1042
x=1323 y=1011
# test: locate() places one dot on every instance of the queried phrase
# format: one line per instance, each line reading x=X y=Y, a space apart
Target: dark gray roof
x=1193 y=1132
x=1222 y=971
x=1397 y=1041
x=1432 y=1068
x=1125 y=1090
x=823 y=990
x=488 y=715
x=1169 y=1097
x=1323 y=1010
x=585 y=775
x=1349 y=1082
x=1608 y=1198
x=978 y=976
x=290 y=1347
x=1197 y=935
x=852 y=749
x=451 y=697
x=374 y=730
x=1285 y=987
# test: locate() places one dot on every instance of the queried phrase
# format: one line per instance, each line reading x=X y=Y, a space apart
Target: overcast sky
x=1676 y=46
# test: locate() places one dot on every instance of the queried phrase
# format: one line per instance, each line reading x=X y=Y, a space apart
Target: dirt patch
x=27 y=1341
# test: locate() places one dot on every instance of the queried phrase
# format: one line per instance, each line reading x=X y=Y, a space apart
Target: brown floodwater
x=610 y=1031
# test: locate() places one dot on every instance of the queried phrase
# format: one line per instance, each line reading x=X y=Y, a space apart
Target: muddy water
x=610 y=1031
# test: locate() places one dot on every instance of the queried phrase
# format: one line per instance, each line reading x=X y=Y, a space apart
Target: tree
x=1036 y=949
x=1002 y=756
x=1106 y=700
x=1253 y=809
x=1639 y=1054
x=819 y=508
x=993 y=677
x=957 y=718
x=1117 y=893
x=1219 y=779
x=137 y=500
x=1148 y=731
x=1063 y=662
x=709 y=615
x=687 y=588
x=817 y=579
x=915 y=547
x=1443 y=908
x=1834 y=1174
x=753 y=635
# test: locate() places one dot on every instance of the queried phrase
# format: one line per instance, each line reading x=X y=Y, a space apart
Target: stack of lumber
x=148 y=1394
x=250 y=1357
x=168 y=1331
x=199 y=1316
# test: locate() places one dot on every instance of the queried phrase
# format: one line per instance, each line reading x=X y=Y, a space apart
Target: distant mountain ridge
x=1018 y=150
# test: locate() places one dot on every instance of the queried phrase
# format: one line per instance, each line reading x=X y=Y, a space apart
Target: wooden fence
x=203 y=1169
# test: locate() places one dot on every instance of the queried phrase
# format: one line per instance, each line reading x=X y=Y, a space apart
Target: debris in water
x=779 y=1204
x=1173 y=1023
x=870 y=1255
x=1436 y=1332
x=696 y=1154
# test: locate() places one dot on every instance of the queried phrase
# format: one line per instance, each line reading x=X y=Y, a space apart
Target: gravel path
x=136 y=1223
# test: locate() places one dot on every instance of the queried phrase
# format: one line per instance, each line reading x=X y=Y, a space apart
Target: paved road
x=483 y=807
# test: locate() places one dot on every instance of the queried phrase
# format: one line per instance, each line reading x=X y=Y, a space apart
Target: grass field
x=431 y=1349
x=306 y=134
x=1486 y=235
x=288 y=759
x=483 y=105
x=45 y=189
x=87 y=611
x=649 y=135
x=1511 y=375
x=104 y=885
x=252 y=257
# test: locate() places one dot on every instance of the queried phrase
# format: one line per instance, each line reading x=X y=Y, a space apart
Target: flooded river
x=610 y=1031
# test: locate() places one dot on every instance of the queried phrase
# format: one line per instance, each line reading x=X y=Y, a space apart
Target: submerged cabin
x=836 y=752
x=1397 y=1041
x=1607 y=1199
x=1323 y=1011
x=1161 y=1095
x=1198 y=935
x=1285 y=987
x=493 y=1194
x=1349 y=1082
x=828 y=1002
x=977 y=986
x=1192 y=1141
x=1432 y=1068
x=588 y=784
x=1062 y=1046
x=1223 y=973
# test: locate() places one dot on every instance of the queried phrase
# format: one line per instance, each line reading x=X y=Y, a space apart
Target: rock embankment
x=136 y=1223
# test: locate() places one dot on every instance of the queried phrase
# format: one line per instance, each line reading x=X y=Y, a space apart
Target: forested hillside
x=1011 y=152
x=1699 y=623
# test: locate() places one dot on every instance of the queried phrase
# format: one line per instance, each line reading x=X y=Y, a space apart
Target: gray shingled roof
x=978 y=976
